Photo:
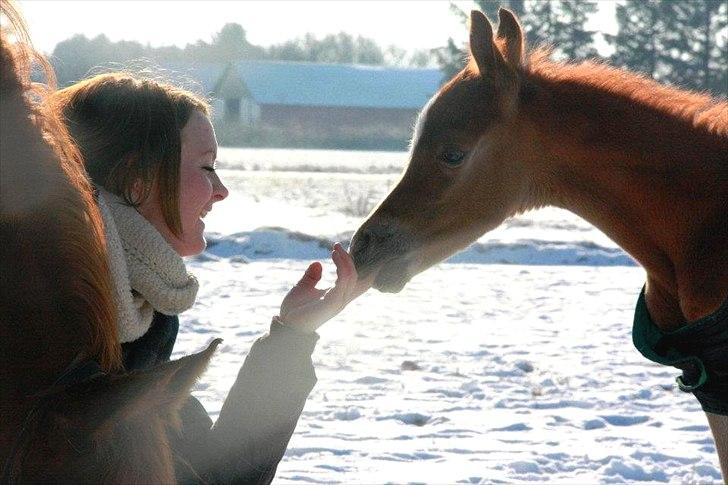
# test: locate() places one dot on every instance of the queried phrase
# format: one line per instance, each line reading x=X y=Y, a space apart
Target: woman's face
x=199 y=188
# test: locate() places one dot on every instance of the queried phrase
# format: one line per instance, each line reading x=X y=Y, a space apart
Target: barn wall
x=321 y=121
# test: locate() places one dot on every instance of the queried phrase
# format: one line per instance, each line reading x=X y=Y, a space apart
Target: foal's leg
x=719 y=426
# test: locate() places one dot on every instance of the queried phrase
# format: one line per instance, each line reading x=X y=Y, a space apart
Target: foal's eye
x=452 y=157
x=208 y=168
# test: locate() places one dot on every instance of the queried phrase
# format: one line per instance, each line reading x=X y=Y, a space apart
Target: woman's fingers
x=342 y=260
x=310 y=307
x=345 y=270
x=337 y=294
x=345 y=288
x=312 y=275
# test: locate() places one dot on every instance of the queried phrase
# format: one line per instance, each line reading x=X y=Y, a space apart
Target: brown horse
x=647 y=164
x=68 y=413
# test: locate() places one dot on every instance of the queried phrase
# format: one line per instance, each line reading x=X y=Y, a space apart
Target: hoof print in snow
x=410 y=365
x=525 y=366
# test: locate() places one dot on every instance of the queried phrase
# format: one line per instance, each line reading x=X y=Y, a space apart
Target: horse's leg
x=719 y=426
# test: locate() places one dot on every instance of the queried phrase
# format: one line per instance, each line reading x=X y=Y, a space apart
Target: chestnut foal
x=647 y=164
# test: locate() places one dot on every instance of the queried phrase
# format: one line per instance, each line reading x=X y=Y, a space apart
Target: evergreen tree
x=695 y=44
x=713 y=57
x=561 y=25
x=451 y=58
x=680 y=42
x=716 y=52
x=577 y=43
x=490 y=7
x=636 y=44
x=517 y=6
x=421 y=58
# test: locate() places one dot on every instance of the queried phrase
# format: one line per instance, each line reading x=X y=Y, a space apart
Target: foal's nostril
x=366 y=239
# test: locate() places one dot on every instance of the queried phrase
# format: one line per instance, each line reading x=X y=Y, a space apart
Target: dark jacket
x=258 y=417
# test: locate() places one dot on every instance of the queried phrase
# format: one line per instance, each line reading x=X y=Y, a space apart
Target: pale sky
x=407 y=24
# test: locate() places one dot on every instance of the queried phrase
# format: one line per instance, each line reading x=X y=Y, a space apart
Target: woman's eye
x=209 y=169
x=452 y=157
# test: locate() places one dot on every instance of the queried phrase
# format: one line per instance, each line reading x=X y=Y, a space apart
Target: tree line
x=75 y=57
x=680 y=42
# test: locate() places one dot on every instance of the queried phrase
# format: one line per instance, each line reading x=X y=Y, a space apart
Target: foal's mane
x=697 y=109
x=56 y=288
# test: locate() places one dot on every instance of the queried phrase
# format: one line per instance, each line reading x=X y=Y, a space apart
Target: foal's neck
x=652 y=176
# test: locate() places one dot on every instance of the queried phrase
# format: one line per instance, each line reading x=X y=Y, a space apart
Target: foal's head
x=465 y=175
x=110 y=429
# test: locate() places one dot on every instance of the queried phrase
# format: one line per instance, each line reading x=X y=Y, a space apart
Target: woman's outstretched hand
x=306 y=307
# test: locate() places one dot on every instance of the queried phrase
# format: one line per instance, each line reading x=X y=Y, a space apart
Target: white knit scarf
x=147 y=274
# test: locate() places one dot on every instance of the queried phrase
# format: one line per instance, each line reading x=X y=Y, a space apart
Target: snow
x=511 y=362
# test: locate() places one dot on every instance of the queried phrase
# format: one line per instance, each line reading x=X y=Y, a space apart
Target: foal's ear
x=179 y=376
x=482 y=48
x=511 y=33
x=161 y=389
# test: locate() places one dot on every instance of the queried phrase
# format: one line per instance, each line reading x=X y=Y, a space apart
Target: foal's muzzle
x=381 y=248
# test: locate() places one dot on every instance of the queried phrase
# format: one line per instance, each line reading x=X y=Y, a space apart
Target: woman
x=150 y=150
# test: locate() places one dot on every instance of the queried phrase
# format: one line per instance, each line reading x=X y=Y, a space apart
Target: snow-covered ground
x=512 y=362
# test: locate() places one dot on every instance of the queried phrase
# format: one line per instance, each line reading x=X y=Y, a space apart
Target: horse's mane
x=698 y=109
x=55 y=282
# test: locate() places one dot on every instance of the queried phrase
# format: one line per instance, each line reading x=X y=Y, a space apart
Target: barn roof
x=202 y=78
x=313 y=84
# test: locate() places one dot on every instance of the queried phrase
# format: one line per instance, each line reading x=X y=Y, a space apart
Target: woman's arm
x=261 y=411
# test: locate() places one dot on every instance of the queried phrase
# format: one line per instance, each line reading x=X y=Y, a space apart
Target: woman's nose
x=220 y=192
